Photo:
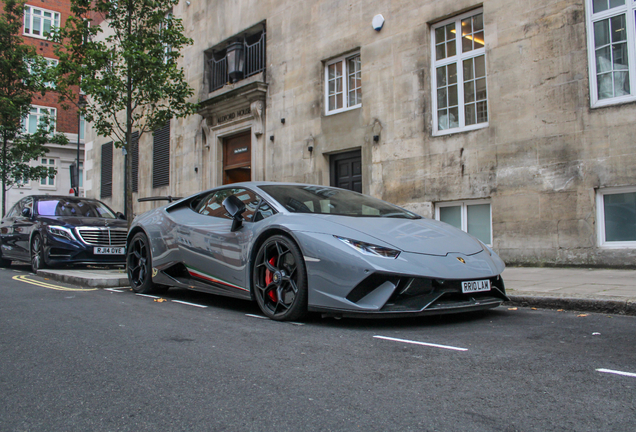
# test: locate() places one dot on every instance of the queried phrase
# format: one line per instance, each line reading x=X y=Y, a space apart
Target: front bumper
x=415 y=296
x=60 y=251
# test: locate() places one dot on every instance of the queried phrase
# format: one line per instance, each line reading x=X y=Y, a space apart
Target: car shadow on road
x=373 y=322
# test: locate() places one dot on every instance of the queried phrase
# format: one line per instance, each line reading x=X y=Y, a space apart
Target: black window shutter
x=107 y=170
x=161 y=157
x=134 y=151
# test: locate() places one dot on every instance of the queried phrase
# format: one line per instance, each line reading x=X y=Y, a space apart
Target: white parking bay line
x=113 y=289
x=256 y=316
x=147 y=295
x=421 y=343
x=189 y=304
x=629 y=374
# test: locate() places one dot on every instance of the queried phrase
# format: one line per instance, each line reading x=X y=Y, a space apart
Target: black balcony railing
x=254 y=61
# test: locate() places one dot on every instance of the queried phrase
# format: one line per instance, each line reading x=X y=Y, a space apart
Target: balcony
x=237 y=59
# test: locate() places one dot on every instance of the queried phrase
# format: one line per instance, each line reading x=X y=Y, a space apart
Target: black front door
x=346 y=170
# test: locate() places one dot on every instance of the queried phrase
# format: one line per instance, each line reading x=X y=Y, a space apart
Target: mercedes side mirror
x=235 y=207
x=26 y=212
x=120 y=215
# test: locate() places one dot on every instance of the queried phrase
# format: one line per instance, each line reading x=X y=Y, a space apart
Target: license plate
x=475 y=286
x=109 y=250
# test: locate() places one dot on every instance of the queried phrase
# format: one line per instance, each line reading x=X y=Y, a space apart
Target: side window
x=264 y=211
x=212 y=204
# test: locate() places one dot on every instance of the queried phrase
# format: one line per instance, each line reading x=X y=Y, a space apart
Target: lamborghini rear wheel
x=139 y=266
x=280 y=279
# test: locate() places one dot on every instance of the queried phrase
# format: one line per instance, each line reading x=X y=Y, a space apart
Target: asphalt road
x=100 y=360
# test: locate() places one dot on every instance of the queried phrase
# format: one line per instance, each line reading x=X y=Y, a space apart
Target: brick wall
x=66 y=118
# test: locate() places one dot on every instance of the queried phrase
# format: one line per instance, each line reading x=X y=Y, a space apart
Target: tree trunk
x=4 y=175
x=128 y=159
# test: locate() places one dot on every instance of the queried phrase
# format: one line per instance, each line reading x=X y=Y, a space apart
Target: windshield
x=74 y=207
x=326 y=200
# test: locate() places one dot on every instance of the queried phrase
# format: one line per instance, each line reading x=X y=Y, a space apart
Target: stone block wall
x=539 y=161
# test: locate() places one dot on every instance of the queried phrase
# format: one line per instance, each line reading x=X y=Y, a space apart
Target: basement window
x=474 y=217
x=616 y=215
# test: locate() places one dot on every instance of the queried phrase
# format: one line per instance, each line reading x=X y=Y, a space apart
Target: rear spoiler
x=160 y=198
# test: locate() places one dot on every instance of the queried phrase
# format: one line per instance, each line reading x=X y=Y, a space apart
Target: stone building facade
x=513 y=120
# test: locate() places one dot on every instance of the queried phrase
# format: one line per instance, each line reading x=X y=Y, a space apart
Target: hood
x=83 y=221
x=424 y=236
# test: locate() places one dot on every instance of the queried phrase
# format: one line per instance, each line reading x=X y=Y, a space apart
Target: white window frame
x=38 y=114
x=600 y=218
x=167 y=49
x=464 y=211
x=345 y=83
x=55 y=20
x=629 y=10
x=458 y=59
x=46 y=185
x=50 y=62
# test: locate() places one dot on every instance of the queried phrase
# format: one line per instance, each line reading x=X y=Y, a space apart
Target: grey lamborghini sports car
x=298 y=248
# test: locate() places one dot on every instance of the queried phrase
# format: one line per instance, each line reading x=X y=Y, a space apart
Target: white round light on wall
x=378 y=22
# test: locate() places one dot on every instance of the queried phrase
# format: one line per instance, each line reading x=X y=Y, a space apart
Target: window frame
x=629 y=11
x=464 y=212
x=197 y=204
x=457 y=59
x=345 y=82
x=600 y=217
x=55 y=21
x=53 y=123
x=46 y=185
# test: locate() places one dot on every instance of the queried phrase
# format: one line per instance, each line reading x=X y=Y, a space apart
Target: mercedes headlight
x=370 y=249
x=60 y=231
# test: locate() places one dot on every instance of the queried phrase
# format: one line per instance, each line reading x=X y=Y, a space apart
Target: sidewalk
x=580 y=289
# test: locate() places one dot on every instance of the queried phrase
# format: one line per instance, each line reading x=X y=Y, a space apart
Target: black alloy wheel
x=280 y=279
x=37 y=254
x=139 y=266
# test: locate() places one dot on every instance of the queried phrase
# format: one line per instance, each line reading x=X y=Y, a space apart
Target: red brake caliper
x=269 y=276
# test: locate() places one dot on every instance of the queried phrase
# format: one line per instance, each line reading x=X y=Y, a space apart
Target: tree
x=22 y=75
x=130 y=72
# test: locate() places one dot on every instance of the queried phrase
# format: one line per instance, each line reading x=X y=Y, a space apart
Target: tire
x=279 y=279
x=139 y=266
x=37 y=254
x=4 y=263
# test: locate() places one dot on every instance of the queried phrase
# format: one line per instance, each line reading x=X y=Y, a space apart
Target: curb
x=616 y=307
x=93 y=282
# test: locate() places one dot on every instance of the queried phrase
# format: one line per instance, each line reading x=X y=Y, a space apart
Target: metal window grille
x=255 y=62
x=161 y=157
x=107 y=170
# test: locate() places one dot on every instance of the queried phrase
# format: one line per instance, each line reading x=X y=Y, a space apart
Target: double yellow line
x=23 y=278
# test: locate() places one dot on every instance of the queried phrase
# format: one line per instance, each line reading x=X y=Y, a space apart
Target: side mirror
x=26 y=212
x=235 y=207
x=120 y=215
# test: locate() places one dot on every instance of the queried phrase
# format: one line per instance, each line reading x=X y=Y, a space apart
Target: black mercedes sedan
x=48 y=230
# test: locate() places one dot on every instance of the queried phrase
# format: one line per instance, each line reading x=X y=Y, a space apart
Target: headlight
x=370 y=249
x=61 y=231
